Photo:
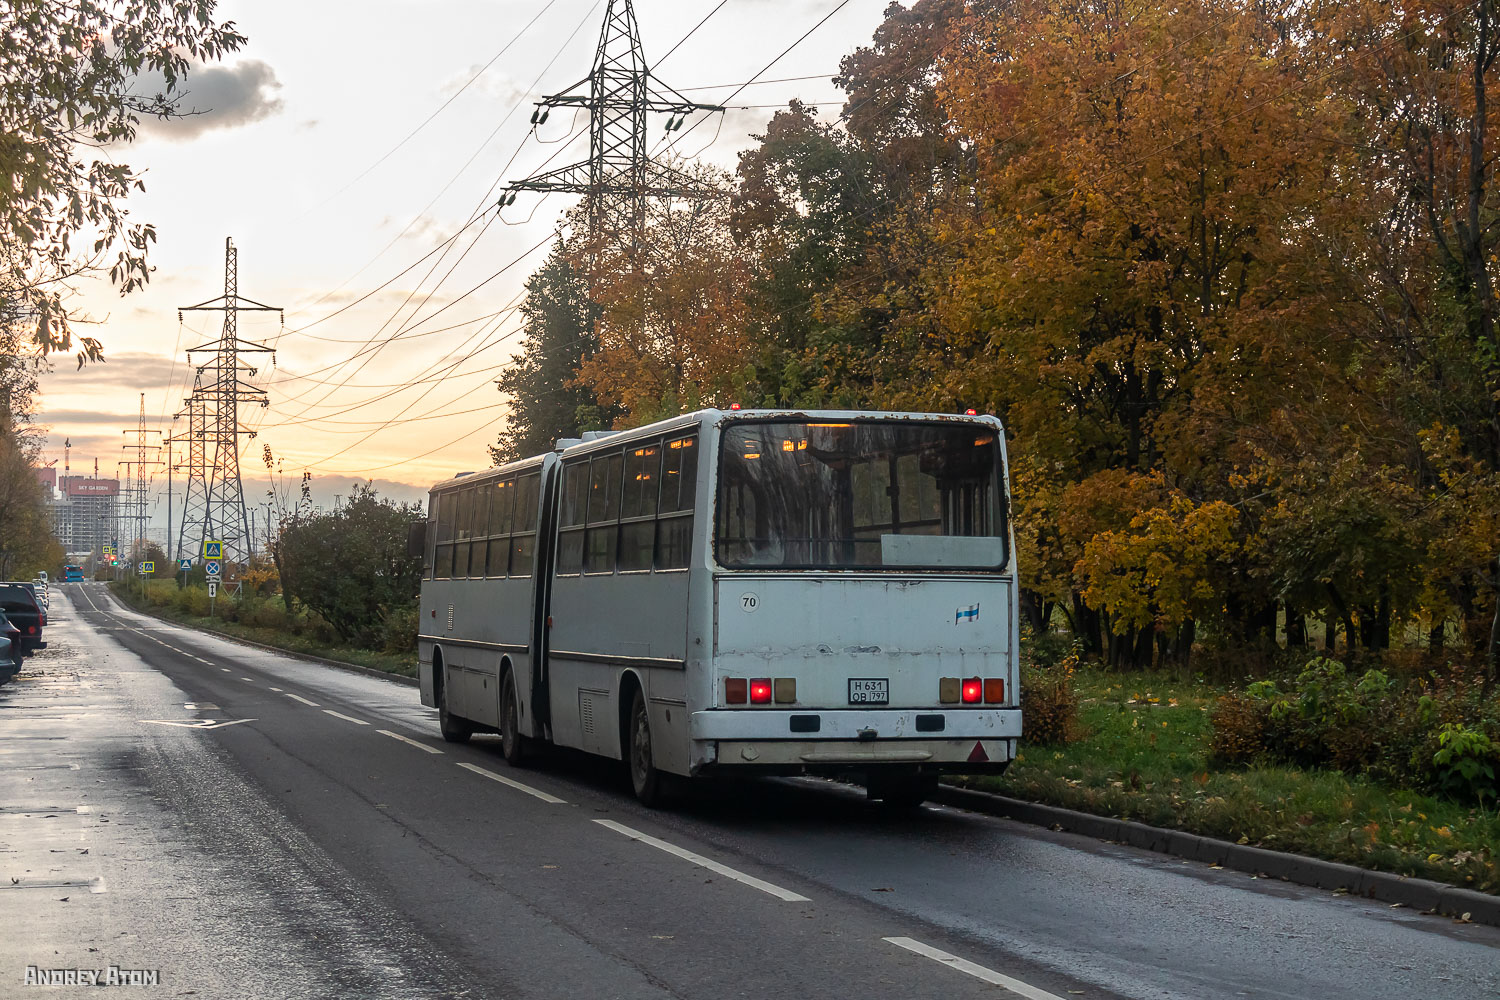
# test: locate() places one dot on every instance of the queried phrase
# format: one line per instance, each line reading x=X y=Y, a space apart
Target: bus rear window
x=861 y=494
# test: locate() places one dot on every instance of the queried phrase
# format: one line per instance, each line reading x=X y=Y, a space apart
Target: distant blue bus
x=72 y=574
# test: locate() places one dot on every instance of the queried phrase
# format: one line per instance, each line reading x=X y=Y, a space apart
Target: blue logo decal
x=971 y=613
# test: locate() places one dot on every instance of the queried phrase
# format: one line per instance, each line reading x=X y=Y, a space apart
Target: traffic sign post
x=212 y=569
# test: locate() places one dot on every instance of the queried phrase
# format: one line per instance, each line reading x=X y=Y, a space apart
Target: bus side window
x=502 y=504
x=571 y=517
x=638 y=510
x=604 y=514
x=442 y=564
x=679 y=489
x=523 y=537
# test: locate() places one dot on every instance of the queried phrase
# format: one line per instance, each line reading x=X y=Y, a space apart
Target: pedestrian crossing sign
x=213 y=550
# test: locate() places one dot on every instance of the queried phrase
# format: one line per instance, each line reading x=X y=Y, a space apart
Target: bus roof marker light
x=734 y=406
x=971 y=412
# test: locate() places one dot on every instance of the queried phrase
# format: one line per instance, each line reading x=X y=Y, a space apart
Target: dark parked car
x=10 y=649
x=20 y=606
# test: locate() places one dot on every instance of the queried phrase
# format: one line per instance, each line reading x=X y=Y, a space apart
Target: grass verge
x=1142 y=755
x=279 y=638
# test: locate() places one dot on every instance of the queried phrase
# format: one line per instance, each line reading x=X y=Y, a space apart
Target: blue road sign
x=184 y=564
x=211 y=568
x=213 y=550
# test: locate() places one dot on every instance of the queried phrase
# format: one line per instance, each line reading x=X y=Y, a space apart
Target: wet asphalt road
x=322 y=841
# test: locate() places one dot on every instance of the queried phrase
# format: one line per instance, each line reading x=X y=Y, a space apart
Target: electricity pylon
x=145 y=455
x=619 y=175
x=215 y=503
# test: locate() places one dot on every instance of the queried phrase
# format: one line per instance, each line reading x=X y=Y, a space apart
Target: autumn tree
x=671 y=330
x=70 y=96
x=547 y=402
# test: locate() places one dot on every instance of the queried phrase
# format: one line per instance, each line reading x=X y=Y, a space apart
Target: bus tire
x=904 y=793
x=512 y=744
x=454 y=729
x=644 y=777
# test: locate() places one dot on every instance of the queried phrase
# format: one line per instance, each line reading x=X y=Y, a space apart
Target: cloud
x=134 y=369
x=496 y=86
x=213 y=97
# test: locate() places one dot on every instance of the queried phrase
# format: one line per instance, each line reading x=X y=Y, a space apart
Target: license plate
x=869 y=691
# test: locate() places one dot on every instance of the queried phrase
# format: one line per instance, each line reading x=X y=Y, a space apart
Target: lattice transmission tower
x=619 y=175
x=135 y=509
x=214 y=506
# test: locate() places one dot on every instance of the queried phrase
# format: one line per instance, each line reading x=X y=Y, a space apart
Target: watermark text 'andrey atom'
x=111 y=976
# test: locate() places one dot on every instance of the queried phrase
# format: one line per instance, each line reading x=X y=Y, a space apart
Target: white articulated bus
x=821 y=592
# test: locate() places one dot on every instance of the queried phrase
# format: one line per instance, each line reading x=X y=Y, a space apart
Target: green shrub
x=1466 y=760
x=399 y=630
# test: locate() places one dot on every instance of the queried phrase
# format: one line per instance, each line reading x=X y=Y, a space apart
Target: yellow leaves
x=1442 y=831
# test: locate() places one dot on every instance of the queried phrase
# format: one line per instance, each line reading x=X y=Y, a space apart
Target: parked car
x=10 y=649
x=42 y=591
x=21 y=607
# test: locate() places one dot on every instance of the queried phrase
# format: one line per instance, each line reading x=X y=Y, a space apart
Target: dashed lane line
x=278 y=690
x=407 y=739
x=545 y=797
x=298 y=697
x=346 y=718
x=969 y=968
x=248 y=680
x=702 y=862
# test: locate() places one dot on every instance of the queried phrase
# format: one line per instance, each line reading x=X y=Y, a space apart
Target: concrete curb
x=1417 y=893
x=340 y=664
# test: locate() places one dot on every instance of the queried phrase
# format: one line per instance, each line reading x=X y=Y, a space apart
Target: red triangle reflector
x=977 y=755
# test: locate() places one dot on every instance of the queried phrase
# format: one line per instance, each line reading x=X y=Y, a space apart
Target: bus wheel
x=644 y=776
x=512 y=743
x=905 y=793
x=454 y=729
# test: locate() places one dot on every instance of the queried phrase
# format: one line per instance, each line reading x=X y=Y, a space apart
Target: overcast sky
x=292 y=157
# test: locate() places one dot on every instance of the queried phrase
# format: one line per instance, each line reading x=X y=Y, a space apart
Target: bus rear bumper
x=837 y=756
x=973 y=741
x=811 y=725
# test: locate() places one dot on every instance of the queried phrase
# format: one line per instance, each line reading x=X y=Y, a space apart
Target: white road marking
x=225 y=669
x=277 y=690
x=404 y=739
x=197 y=723
x=709 y=863
x=202 y=660
x=552 y=799
x=248 y=679
x=346 y=718
x=969 y=968
x=298 y=697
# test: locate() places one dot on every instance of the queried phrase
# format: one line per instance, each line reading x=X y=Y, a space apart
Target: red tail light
x=994 y=690
x=973 y=690
x=30 y=629
x=760 y=691
x=735 y=690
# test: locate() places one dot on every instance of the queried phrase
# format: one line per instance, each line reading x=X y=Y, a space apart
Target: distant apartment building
x=85 y=513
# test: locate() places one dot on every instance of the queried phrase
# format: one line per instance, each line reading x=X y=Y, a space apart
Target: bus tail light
x=973 y=690
x=760 y=691
x=994 y=690
x=948 y=690
x=785 y=690
x=735 y=691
